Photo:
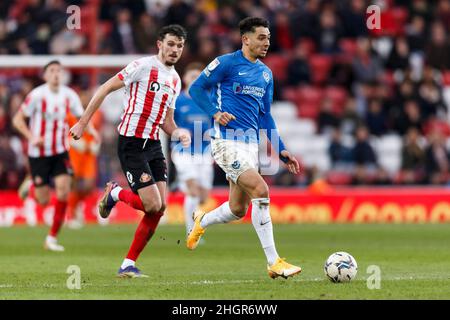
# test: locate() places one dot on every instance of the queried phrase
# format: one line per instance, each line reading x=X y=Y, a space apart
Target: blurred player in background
x=83 y=157
x=47 y=106
x=152 y=86
x=194 y=165
x=242 y=91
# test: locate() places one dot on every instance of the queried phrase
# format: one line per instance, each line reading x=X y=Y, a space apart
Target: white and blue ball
x=340 y=267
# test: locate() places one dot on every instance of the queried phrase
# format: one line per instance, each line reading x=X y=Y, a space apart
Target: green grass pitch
x=414 y=262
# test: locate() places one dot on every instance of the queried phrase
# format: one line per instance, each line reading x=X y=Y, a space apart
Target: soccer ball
x=340 y=267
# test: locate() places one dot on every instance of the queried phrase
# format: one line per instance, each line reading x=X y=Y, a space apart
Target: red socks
x=58 y=218
x=143 y=234
x=131 y=199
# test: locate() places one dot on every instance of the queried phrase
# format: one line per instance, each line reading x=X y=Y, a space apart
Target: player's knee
x=239 y=209
x=62 y=194
x=152 y=206
x=43 y=200
x=261 y=191
x=163 y=207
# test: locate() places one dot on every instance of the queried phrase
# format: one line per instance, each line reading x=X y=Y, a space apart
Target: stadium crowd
x=351 y=81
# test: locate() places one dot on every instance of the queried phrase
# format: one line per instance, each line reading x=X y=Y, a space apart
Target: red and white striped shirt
x=48 y=111
x=150 y=88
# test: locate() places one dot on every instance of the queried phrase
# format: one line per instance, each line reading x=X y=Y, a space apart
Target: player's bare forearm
x=20 y=124
x=109 y=86
x=169 y=127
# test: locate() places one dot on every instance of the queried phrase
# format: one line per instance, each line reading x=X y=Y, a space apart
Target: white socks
x=51 y=239
x=263 y=225
x=221 y=214
x=127 y=263
x=190 y=205
x=115 y=193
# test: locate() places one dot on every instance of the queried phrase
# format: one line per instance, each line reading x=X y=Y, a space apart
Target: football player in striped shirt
x=47 y=107
x=151 y=88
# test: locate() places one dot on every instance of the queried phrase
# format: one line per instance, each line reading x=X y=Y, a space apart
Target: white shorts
x=235 y=157
x=198 y=167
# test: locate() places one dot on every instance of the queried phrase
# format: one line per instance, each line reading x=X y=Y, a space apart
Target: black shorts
x=45 y=168
x=142 y=161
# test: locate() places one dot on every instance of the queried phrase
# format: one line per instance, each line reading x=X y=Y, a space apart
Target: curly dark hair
x=173 y=29
x=249 y=24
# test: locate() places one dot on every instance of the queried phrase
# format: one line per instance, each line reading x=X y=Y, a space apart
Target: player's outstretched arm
x=109 y=86
x=267 y=122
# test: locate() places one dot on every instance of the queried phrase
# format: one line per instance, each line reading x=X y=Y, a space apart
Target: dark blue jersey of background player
x=190 y=116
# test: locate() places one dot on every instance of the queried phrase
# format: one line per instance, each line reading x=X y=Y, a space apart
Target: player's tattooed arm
x=170 y=127
x=109 y=86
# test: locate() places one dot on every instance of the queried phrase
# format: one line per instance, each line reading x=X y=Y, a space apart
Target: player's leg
x=37 y=185
x=254 y=185
x=62 y=189
x=151 y=188
x=187 y=175
x=232 y=210
x=191 y=202
x=136 y=168
x=73 y=203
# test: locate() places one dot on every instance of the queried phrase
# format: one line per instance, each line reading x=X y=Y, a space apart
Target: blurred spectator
x=298 y=69
x=430 y=97
x=366 y=66
x=399 y=56
x=413 y=158
x=305 y=21
x=416 y=34
x=122 y=37
x=145 y=33
x=438 y=49
x=354 y=19
x=410 y=118
x=330 y=32
x=281 y=38
x=375 y=118
x=443 y=13
x=350 y=118
x=437 y=159
x=421 y=8
x=177 y=12
x=340 y=155
x=363 y=152
x=327 y=120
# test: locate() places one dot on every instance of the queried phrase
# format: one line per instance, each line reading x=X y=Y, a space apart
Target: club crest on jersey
x=38 y=180
x=154 y=86
x=145 y=177
x=266 y=76
x=237 y=88
x=236 y=165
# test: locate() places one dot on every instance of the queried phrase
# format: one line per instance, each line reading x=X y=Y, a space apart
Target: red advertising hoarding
x=349 y=205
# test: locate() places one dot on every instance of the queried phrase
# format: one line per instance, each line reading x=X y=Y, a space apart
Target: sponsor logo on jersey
x=154 y=86
x=213 y=64
x=236 y=165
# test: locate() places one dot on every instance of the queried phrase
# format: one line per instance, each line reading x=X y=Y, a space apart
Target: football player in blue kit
x=194 y=164
x=236 y=90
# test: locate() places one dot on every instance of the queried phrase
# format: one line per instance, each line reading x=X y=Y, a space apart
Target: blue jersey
x=190 y=116
x=240 y=87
